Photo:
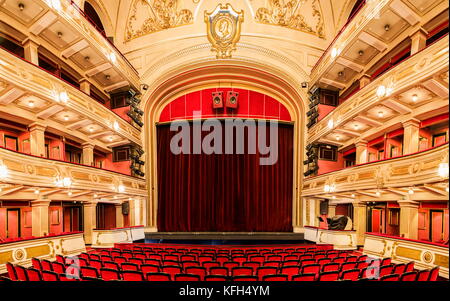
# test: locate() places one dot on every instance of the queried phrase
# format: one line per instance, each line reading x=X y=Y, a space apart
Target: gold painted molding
x=291 y=14
x=160 y=15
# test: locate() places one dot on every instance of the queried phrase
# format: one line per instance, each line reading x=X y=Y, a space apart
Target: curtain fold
x=224 y=192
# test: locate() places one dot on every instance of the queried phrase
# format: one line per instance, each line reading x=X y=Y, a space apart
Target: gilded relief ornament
x=291 y=14
x=148 y=16
x=224 y=29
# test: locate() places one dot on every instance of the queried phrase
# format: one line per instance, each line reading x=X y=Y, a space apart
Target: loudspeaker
x=217 y=100
x=232 y=100
x=324 y=207
x=125 y=208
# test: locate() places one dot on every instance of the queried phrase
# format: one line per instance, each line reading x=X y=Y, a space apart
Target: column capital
x=37 y=126
x=87 y=145
x=420 y=31
x=361 y=143
x=31 y=41
x=40 y=203
x=90 y=203
x=408 y=204
x=411 y=122
x=359 y=204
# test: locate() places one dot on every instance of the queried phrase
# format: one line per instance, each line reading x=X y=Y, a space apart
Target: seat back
x=409 y=276
x=158 y=277
x=216 y=278
x=265 y=271
x=386 y=261
x=216 y=271
x=208 y=264
x=279 y=277
x=311 y=269
x=386 y=270
x=49 y=276
x=132 y=276
x=187 y=277
x=128 y=266
x=348 y=266
x=390 y=277
x=149 y=268
x=329 y=276
x=434 y=274
x=350 y=275
x=89 y=272
x=21 y=273
x=33 y=274
x=11 y=271
x=58 y=267
x=109 y=274
x=36 y=263
x=245 y=278
x=331 y=267
x=399 y=269
x=199 y=271
x=241 y=271
x=111 y=265
x=423 y=275
x=304 y=277
x=410 y=266
x=46 y=265
x=230 y=264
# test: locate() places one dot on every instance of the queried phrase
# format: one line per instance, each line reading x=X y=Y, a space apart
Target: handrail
x=73 y=163
x=408 y=239
x=62 y=79
x=22 y=239
x=378 y=161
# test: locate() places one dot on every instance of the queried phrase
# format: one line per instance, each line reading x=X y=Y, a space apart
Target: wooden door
x=13 y=223
x=437 y=225
x=377 y=220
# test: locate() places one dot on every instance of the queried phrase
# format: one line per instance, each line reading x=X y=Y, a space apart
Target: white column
x=411 y=136
x=37 y=139
x=409 y=219
x=361 y=152
x=31 y=53
x=40 y=217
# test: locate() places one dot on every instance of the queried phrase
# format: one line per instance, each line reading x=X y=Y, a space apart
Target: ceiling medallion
x=223 y=27
x=302 y=15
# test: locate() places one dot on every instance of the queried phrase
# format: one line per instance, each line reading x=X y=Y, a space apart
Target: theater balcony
x=405 y=104
x=378 y=33
x=30 y=94
x=65 y=30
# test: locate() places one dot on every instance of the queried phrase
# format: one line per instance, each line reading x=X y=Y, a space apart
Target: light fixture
x=130 y=199
x=353 y=195
x=95 y=195
x=330 y=123
x=87 y=58
x=378 y=193
x=60 y=34
x=333 y=197
x=63 y=96
x=381 y=91
x=31 y=104
x=335 y=52
x=107 y=77
x=55 y=4
x=338 y=138
x=3 y=171
x=360 y=53
x=381 y=114
x=411 y=190
x=446 y=188
x=110 y=138
x=116 y=126
x=356 y=126
x=91 y=129
x=415 y=98
x=67 y=182
x=66 y=117
x=326 y=188
x=21 y=6
x=36 y=191
x=69 y=193
x=112 y=57
x=340 y=73
x=443 y=170
x=121 y=188
x=387 y=27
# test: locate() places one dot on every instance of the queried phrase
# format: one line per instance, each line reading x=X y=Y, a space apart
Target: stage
x=225 y=237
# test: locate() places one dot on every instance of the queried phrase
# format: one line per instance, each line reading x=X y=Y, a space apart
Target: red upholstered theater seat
x=11 y=271
x=409 y=276
x=49 y=276
x=33 y=274
x=250 y=264
x=36 y=263
x=64 y=277
x=391 y=277
x=190 y=263
x=128 y=266
x=310 y=269
x=172 y=270
x=329 y=276
x=279 y=277
x=275 y=264
x=350 y=275
x=171 y=263
x=216 y=278
x=241 y=271
x=331 y=267
x=109 y=274
x=423 y=275
x=89 y=272
x=230 y=265
x=187 y=277
x=132 y=276
x=348 y=266
x=222 y=271
x=188 y=258
x=304 y=277
x=264 y=271
x=399 y=269
x=58 y=267
x=410 y=266
x=158 y=277
x=209 y=264
x=434 y=274
x=136 y=261
x=290 y=271
x=199 y=271
x=289 y=263
x=386 y=270
x=245 y=278
x=152 y=261
x=149 y=268
x=95 y=264
x=46 y=265
x=386 y=261
x=111 y=265
x=21 y=273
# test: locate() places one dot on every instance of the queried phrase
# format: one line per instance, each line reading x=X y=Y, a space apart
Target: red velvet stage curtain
x=224 y=192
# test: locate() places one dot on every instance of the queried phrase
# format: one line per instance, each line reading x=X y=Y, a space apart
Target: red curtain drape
x=224 y=192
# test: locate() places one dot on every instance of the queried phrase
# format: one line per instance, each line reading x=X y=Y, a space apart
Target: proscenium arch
x=203 y=76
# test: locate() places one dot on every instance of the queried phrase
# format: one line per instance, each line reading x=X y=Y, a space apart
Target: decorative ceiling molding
x=291 y=14
x=148 y=16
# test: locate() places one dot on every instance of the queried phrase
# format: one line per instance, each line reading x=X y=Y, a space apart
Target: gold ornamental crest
x=223 y=27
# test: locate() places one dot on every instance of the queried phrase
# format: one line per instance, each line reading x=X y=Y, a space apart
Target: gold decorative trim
x=162 y=14
x=289 y=14
x=441 y=260
x=408 y=253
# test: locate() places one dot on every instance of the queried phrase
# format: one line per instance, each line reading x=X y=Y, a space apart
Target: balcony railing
x=28 y=170
x=410 y=170
x=410 y=72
